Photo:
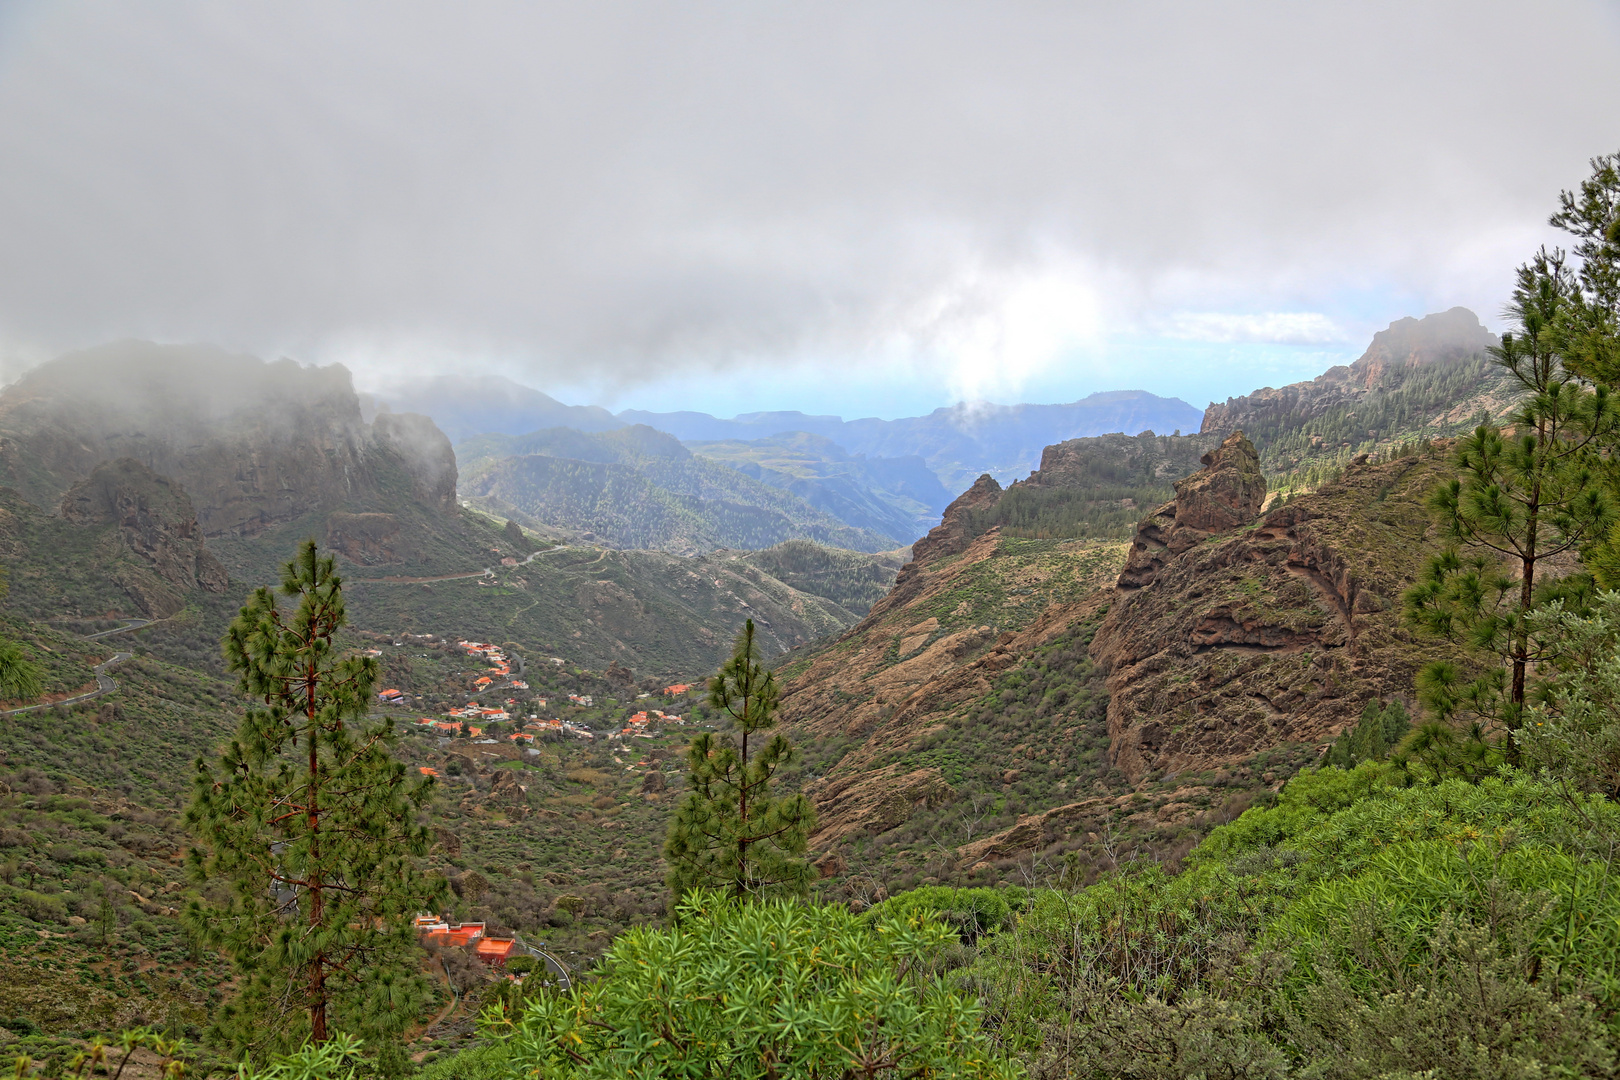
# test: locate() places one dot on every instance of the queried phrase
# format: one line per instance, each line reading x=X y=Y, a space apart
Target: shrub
x=755 y=989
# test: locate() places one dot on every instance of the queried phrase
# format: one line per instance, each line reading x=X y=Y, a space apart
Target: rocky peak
x=954 y=531
x=1225 y=494
x=1446 y=337
x=255 y=444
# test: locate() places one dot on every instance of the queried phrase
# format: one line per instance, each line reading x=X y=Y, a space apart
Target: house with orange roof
x=443 y=934
x=425 y=771
x=497 y=951
x=677 y=688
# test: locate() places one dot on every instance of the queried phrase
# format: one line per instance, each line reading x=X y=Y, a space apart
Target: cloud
x=612 y=193
x=1270 y=328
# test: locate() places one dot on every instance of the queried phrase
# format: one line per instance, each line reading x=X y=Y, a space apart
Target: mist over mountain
x=468 y=405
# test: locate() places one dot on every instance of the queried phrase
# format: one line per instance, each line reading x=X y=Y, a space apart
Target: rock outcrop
x=367 y=539
x=922 y=654
x=1253 y=641
x=954 y=531
x=1228 y=492
x=156 y=522
x=1407 y=343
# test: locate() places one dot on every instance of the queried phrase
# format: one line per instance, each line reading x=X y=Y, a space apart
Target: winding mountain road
x=105 y=684
x=486 y=572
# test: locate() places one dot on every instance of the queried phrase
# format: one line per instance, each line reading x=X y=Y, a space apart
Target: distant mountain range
x=957 y=443
x=639 y=488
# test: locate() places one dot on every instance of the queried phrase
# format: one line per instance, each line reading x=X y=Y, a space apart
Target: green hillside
x=851 y=579
x=639 y=488
x=898 y=497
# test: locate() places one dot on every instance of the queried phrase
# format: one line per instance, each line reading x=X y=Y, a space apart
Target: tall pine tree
x=311 y=824
x=1521 y=499
x=732 y=832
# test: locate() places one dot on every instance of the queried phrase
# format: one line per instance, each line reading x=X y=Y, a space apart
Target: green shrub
x=970 y=912
x=756 y=989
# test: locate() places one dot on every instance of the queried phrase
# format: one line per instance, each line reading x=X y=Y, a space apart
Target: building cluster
x=449 y=727
x=639 y=722
x=583 y=700
x=495 y=951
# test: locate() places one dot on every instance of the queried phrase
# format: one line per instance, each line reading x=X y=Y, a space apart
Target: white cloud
x=1269 y=328
x=613 y=193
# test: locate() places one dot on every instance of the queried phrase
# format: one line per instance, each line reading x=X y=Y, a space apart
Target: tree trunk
x=312 y=874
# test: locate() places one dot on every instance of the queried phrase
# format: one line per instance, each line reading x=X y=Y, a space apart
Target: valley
x=1040 y=680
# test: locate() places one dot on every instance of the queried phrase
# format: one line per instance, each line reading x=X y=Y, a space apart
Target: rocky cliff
x=1271 y=634
x=155 y=521
x=1446 y=338
x=1015 y=698
x=254 y=444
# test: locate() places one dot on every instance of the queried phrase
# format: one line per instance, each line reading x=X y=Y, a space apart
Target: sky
x=872 y=208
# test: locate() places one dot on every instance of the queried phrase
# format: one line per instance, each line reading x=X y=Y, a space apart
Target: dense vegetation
x=898 y=497
x=853 y=580
x=1097 y=487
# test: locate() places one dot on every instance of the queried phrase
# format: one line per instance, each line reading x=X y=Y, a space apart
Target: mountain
x=1015 y=696
x=1419 y=378
x=1023 y=691
x=958 y=443
x=254 y=445
x=899 y=497
x=163 y=481
x=639 y=488
x=466 y=405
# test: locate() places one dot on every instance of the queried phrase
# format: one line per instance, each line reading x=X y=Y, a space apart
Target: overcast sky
x=867 y=208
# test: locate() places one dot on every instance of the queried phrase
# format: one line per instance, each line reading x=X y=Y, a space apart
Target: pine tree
x=1519 y=499
x=311 y=823
x=19 y=676
x=731 y=832
x=1379 y=730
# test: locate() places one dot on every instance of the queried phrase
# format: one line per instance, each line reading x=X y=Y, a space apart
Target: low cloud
x=1269 y=328
x=610 y=194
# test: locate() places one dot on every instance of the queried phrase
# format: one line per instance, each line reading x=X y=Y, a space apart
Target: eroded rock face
x=367 y=539
x=1227 y=493
x=890 y=680
x=156 y=522
x=1268 y=637
x=873 y=802
x=425 y=452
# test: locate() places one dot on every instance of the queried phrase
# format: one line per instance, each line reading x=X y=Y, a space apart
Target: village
x=490 y=701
